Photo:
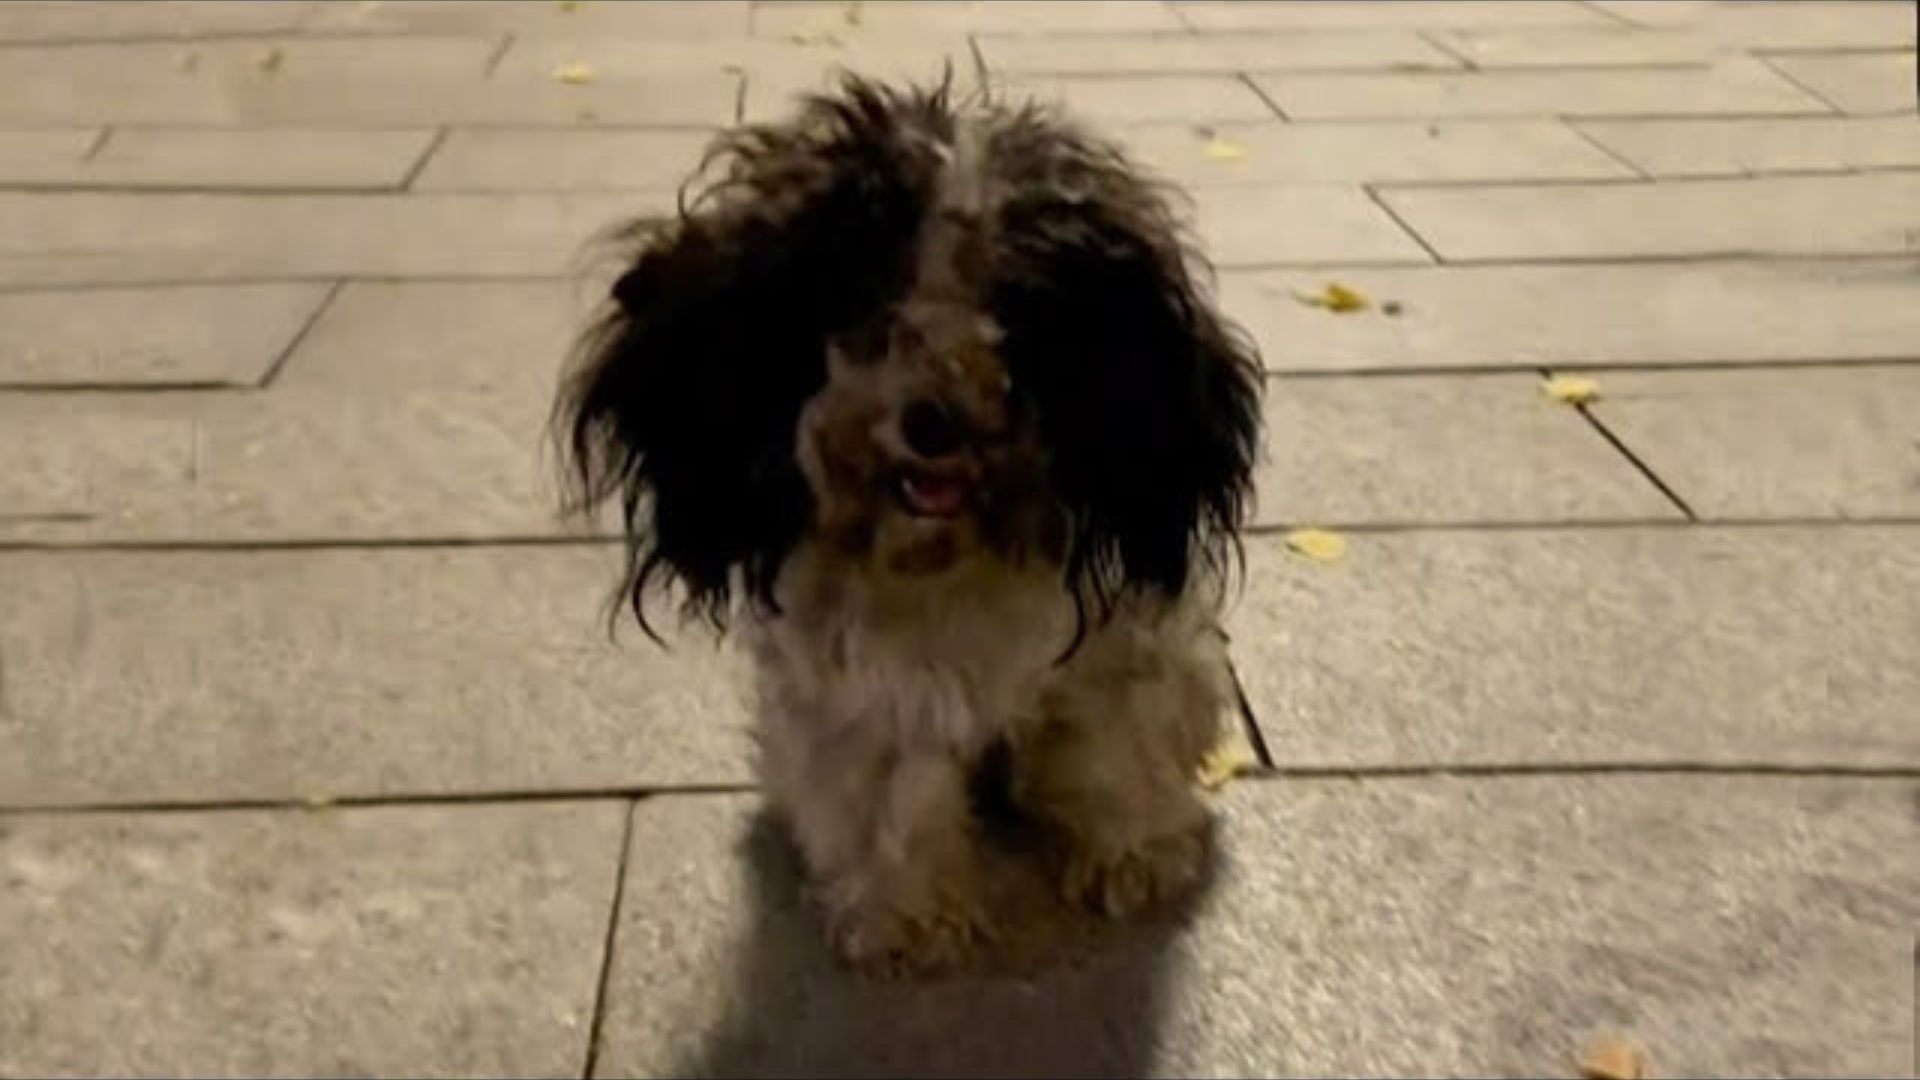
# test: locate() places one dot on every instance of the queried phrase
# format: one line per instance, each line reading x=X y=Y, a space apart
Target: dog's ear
x=1148 y=398
x=683 y=399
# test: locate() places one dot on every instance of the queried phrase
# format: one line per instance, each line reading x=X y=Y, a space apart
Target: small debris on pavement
x=1225 y=151
x=1391 y=309
x=1612 y=1057
x=568 y=7
x=272 y=60
x=1232 y=755
x=1571 y=389
x=575 y=73
x=1319 y=545
x=1337 y=298
x=187 y=61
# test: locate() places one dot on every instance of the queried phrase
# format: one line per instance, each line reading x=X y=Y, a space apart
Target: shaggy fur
x=924 y=399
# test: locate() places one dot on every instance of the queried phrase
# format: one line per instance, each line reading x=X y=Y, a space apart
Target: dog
x=924 y=399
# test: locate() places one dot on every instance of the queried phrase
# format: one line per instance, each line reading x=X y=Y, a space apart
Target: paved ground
x=313 y=758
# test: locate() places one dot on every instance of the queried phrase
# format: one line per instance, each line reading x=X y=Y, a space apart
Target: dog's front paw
x=885 y=941
x=1123 y=882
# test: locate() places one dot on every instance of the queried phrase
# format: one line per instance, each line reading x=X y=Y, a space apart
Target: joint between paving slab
x=1373 y=193
x=427 y=153
x=1674 y=767
x=1582 y=133
x=300 y=335
x=1639 y=463
x=1467 y=63
x=1249 y=723
x=1787 y=77
x=597 y=1025
x=1253 y=84
x=98 y=144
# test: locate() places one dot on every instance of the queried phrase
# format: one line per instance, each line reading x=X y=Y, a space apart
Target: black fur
x=686 y=395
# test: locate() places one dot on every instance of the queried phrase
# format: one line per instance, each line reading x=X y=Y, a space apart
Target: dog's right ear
x=684 y=397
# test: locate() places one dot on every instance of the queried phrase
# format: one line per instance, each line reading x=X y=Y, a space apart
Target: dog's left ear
x=1148 y=397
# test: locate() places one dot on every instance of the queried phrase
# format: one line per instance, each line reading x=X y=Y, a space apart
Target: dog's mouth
x=931 y=495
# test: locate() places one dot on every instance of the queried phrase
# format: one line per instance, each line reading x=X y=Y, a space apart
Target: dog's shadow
x=1065 y=996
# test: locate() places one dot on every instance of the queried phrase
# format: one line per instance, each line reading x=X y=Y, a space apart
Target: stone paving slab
x=1703 y=148
x=1829 y=24
x=49 y=22
x=1741 y=86
x=535 y=159
x=444 y=941
x=1111 y=102
x=410 y=411
x=302 y=158
x=287 y=675
x=1270 y=225
x=179 y=335
x=1479 y=448
x=85 y=238
x=1210 y=15
x=895 y=56
x=699 y=101
x=1709 y=312
x=34 y=154
x=1867 y=83
x=1581 y=47
x=805 y=17
x=1360 y=928
x=706 y=19
x=1869 y=214
x=1373 y=152
x=1648 y=646
x=1835 y=443
x=1187 y=54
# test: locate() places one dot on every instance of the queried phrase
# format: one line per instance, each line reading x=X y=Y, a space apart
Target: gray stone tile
x=1325 y=14
x=151 y=337
x=1374 y=152
x=67 y=238
x=1839 y=442
x=1380 y=928
x=1479 y=448
x=536 y=159
x=1838 y=215
x=1861 y=83
x=47 y=22
x=364 y=81
x=29 y=156
x=300 y=674
x=67 y=467
x=1742 y=86
x=409 y=411
x=455 y=940
x=1831 y=24
x=259 y=158
x=1125 y=100
x=779 y=73
x=1187 y=54
x=878 y=55
x=1581 y=46
x=807 y=18
x=1273 y=225
x=1700 y=148
x=1594 y=646
x=1710 y=312
x=701 y=19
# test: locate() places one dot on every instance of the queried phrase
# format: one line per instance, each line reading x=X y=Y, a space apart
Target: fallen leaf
x=272 y=60
x=317 y=802
x=1391 y=309
x=567 y=7
x=1571 y=389
x=1318 y=544
x=1225 y=151
x=1612 y=1057
x=1232 y=756
x=852 y=13
x=575 y=73
x=824 y=38
x=1336 y=298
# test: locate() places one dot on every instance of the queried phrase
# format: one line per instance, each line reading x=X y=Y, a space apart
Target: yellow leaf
x=1232 y=756
x=1318 y=544
x=317 y=802
x=1571 y=389
x=1612 y=1057
x=1225 y=151
x=569 y=6
x=1337 y=298
x=852 y=13
x=575 y=73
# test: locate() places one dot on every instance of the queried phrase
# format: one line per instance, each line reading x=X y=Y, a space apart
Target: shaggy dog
x=923 y=399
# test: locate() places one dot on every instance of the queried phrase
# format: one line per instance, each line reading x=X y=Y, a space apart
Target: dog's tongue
x=936 y=497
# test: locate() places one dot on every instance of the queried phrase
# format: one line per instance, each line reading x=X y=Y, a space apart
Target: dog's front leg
x=889 y=840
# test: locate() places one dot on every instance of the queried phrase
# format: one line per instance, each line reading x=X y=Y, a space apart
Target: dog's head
x=918 y=334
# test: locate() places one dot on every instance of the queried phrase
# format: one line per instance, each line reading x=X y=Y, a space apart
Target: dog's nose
x=931 y=428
